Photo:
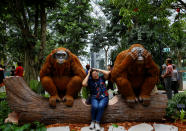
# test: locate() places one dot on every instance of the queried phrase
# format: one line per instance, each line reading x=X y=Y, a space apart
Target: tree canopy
x=148 y=23
x=30 y=29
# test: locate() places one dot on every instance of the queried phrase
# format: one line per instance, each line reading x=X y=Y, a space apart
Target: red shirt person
x=19 y=70
x=1 y=75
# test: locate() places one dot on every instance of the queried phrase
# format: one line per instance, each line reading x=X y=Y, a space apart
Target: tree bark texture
x=33 y=107
x=31 y=66
x=43 y=31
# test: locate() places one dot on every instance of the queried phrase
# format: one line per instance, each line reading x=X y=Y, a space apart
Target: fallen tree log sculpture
x=33 y=107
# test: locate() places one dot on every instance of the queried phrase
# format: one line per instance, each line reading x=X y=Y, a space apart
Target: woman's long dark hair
x=92 y=70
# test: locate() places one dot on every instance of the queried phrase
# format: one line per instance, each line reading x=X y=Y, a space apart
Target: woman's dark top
x=98 y=87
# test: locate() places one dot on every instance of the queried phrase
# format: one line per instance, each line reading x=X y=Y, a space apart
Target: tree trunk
x=106 y=56
x=31 y=68
x=33 y=107
x=179 y=58
x=33 y=61
x=43 y=32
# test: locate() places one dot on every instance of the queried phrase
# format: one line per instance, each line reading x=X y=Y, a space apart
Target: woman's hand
x=105 y=72
x=85 y=81
x=96 y=69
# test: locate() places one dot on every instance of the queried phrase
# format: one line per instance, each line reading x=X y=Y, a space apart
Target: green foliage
x=46 y=95
x=2 y=95
x=141 y=12
x=73 y=25
x=15 y=127
x=150 y=19
x=115 y=125
x=36 y=86
x=151 y=38
x=35 y=126
x=182 y=115
x=160 y=87
x=105 y=35
x=5 y=110
x=21 y=35
x=85 y=92
x=172 y=110
x=178 y=38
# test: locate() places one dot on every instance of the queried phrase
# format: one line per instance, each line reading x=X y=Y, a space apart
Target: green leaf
x=115 y=125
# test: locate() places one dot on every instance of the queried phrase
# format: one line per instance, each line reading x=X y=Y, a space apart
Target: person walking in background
x=87 y=68
x=19 y=70
x=5 y=70
x=1 y=76
x=175 y=78
x=12 y=72
x=88 y=99
x=168 y=78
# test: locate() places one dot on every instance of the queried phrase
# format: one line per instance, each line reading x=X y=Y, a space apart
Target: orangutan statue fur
x=135 y=74
x=61 y=76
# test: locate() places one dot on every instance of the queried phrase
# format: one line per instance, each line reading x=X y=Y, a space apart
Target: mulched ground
x=127 y=125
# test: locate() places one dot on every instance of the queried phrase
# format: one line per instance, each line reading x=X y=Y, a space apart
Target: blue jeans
x=98 y=106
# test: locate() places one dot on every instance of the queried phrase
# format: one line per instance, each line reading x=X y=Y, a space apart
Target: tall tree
x=73 y=24
x=178 y=41
x=148 y=23
x=103 y=39
x=27 y=20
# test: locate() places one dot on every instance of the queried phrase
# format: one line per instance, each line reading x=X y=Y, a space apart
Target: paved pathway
x=138 y=127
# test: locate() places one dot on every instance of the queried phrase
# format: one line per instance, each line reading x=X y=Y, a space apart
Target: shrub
x=172 y=110
x=160 y=87
x=35 y=126
x=2 y=95
x=36 y=86
x=85 y=92
x=5 y=110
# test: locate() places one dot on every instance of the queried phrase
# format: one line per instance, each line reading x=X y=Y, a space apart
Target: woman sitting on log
x=99 y=95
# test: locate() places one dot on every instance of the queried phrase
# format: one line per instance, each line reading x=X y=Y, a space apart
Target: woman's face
x=166 y=62
x=95 y=75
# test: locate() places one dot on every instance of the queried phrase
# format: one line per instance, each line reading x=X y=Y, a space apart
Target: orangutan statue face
x=61 y=56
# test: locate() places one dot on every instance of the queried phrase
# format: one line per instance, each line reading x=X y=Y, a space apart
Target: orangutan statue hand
x=145 y=54
x=134 y=54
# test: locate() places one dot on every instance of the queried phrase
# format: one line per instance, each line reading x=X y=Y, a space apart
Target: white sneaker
x=92 y=125
x=97 y=127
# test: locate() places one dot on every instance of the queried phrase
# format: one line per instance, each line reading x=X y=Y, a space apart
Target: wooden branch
x=25 y=21
x=29 y=17
x=32 y=107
